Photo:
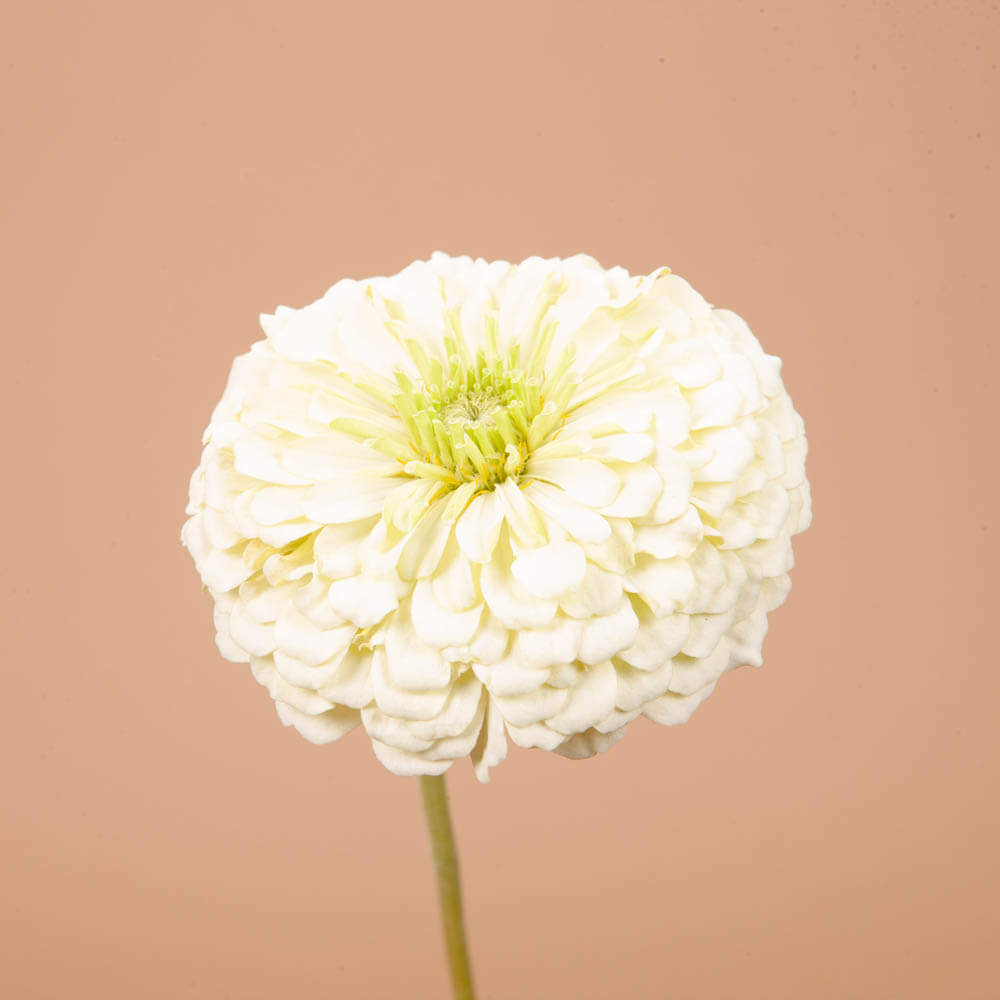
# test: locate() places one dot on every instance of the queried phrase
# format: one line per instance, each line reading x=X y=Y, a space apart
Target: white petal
x=478 y=529
x=664 y=584
x=536 y=735
x=224 y=569
x=298 y=637
x=535 y=706
x=641 y=488
x=550 y=570
x=400 y=702
x=437 y=626
x=678 y=537
x=583 y=745
x=637 y=687
x=614 y=554
x=363 y=600
x=557 y=642
x=673 y=709
x=407 y=764
x=677 y=484
x=511 y=676
x=585 y=479
x=657 y=640
x=623 y=447
x=412 y=663
x=491 y=747
x=275 y=504
x=606 y=636
x=257 y=639
x=348 y=499
x=526 y=524
x=459 y=711
x=305 y=675
x=337 y=548
x=706 y=631
x=732 y=452
x=259 y=459
x=488 y=645
x=590 y=700
x=423 y=549
x=599 y=593
x=352 y=683
x=510 y=602
x=691 y=675
x=323 y=728
x=454 y=583
x=578 y=520
x=716 y=405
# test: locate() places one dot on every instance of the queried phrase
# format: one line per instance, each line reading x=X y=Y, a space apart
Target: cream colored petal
x=535 y=706
x=461 y=744
x=404 y=702
x=491 y=747
x=511 y=676
x=412 y=663
x=673 y=709
x=608 y=635
x=576 y=519
x=455 y=585
x=478 y=529
x=514 y=606
x=599 y=593
x=407 y=764
x=337 y=548
x=422 y=551
x=664 y=584
x=537 y=735
x=732 y=452
x=351 y=684
x=557 y=642
x=657 y=639
x=706 y=631
x=623 y=447
x=298 y=637
x=260 y=459
x=488 y=645
x=637 y=687
x=691 y=675
x=641 y=488
x=678 y=537
x=586 y=480
x=550 y=570
x=464 y=703
x=323 y=728
x=348 y=499
x=279 y=689
x=590 y=700
x=257 y=639
x=437 y=626
x=363 y=600
x=305 y=675
x=526 y=525
x=582 y=745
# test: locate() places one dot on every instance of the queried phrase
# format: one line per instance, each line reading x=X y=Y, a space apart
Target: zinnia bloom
x=476 y=500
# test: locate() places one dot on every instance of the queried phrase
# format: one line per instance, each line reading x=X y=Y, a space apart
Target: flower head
x=476 y=500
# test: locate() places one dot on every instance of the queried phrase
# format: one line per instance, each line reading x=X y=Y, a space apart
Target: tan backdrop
x=823 y=828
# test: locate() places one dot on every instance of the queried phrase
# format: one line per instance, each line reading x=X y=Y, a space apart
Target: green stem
x=435 y=797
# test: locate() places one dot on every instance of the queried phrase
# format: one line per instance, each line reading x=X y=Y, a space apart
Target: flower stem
x=435 y=796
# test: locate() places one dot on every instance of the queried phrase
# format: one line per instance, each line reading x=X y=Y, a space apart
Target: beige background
x=823 y=828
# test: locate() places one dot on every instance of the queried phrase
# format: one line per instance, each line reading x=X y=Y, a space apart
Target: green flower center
x=471 y=422
x=477 y=419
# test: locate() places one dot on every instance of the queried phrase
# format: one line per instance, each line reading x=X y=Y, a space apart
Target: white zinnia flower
x=476 y=500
